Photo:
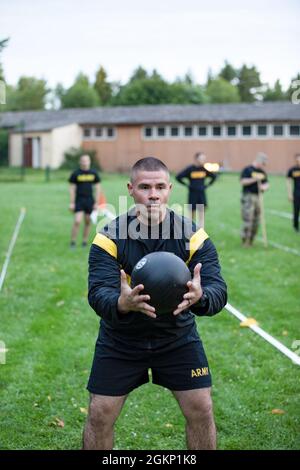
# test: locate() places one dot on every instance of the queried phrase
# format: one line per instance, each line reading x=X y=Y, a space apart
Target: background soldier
x=196 y=175
x=254 y=181
x=294 y=174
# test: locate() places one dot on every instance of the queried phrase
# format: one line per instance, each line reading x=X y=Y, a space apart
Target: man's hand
x=131 y=301
x=195 y=291
x=72 y=206
x=95 y=206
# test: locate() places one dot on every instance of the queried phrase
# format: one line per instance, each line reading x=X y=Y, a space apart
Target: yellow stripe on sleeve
x=196 y=242
x=106 y=244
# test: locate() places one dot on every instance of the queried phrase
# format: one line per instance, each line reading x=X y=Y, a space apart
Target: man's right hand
x=130 y=300
x=72 y=206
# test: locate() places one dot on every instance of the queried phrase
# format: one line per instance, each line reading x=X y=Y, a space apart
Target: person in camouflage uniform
x=253 y=180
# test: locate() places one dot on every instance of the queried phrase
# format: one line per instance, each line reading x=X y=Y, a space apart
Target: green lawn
x=50 y=330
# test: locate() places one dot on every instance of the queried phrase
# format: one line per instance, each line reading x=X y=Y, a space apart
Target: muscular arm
x=97 y=192
x=104 y=283
x=211 y=279
x=72 y=193
x=289 y=188
x=212 y=178
x=180 y=177
x=248 y=181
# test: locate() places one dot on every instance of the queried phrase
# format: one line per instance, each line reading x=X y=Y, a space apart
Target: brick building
x=230 y=134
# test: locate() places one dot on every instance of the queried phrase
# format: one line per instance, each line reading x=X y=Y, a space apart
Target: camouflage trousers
x=250 y=215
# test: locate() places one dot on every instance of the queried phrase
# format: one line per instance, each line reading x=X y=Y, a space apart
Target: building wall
x=53 y=145
x=15 y=147
x=233 y=154
x=63 y=138
x=15 y=150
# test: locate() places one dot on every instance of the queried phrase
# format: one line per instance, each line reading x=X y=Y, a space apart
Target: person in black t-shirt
x=133 y=336
x=81 y=197
x=253 y=180
x=196 y=175
x=293 y=174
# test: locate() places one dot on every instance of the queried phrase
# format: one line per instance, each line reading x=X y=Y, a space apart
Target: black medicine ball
x=164 y=276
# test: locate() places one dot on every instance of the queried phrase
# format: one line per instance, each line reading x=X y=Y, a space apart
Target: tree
x=183 y=92
x=293 y=92
x=274 y=94
x=151 y=90
x=103 y=87
x=80 y=95
x=3 y=44
x=248 y=83
x=139 y=74
x=220 y=90
x=29 y=94
x=228 y=72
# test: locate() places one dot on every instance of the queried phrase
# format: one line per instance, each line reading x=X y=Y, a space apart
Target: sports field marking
x=270 y=339
x=287 y=249
x=286 y=215
x=11 y=246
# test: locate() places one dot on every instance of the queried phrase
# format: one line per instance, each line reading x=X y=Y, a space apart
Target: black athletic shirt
x=84 y=180
x=116 y=247
x=294 y=173
x=196 y=176
x=252 y=172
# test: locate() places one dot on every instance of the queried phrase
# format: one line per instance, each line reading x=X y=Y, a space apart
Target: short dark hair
x=197 y=154
x=148 y=164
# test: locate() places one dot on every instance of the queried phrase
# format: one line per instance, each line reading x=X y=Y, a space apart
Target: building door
x=36 y=152
x=27 y=152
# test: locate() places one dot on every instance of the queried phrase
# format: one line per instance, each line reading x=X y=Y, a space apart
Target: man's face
x=298 y=160
x=150 y=191
x=85 y=162
x=201 y=159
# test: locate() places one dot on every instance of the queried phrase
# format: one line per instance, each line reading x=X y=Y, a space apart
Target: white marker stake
x=11 y=246
x=287 y=352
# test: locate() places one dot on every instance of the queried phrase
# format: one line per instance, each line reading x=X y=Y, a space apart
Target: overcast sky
x=56 y=39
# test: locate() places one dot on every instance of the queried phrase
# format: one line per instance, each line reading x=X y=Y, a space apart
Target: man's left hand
x=195 y=291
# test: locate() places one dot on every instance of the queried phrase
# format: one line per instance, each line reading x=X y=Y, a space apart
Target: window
x=188 y=131
x=246 y=130
x=202 y=130
x=148 y=132
x=87 y=132
x=98 y=131
x=110 y=132
x=294 y=130
x=231 y=130
x=278 y=129
x=174 y=131
x=161 y=131
x=261 y=130
x=216 y=131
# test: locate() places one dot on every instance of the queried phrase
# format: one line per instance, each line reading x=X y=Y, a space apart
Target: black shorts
x=197 y=197
x=84 y=204
x=118 y=367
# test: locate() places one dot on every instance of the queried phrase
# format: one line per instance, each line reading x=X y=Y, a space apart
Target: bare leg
x=99 y=429
x=76 y=225
x=87 y=227
x=196 y=406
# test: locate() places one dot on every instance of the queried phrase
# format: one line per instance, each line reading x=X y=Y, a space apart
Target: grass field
x=50 y=331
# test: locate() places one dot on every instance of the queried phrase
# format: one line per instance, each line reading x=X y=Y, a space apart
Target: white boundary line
x=11 y=246
x=287 y=352
x=286 y=215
